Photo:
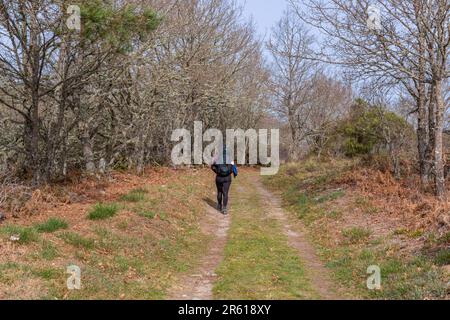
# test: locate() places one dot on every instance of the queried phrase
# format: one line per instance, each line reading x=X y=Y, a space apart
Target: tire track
x=316 y=271
x=199 y=284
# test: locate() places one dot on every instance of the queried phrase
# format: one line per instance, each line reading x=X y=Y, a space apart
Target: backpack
x=224 y=170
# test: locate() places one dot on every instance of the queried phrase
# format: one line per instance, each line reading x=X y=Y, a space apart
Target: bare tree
x=410 y=48
x=290 y=46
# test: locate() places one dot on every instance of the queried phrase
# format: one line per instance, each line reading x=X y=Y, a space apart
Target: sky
x=265 y=13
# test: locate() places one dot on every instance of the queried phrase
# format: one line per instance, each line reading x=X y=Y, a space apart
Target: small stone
x=14 y=238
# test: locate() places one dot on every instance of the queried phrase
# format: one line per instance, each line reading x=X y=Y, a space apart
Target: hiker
x=224 y=169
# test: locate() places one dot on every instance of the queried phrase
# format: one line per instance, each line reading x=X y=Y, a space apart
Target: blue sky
x=265 y=13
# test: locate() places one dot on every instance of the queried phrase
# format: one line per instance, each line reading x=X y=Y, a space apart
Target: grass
x=365 y=205
x=136 y=195
x=356 y=234
x=77 y=240
x=445 y=239
x=103 y=211
x=442 y=257
x=9 y=271
x=412 y=234
x=48 y=273
x=330 y=197
x=146 y=210
x=147 y=214
x=403 y=277
x=259 y=263
x=26 y=235
x=52 y=225
x=124 y=257
x=48 y=251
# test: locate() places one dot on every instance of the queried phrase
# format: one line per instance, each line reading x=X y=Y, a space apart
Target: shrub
x=372 y=127
x=103 y=211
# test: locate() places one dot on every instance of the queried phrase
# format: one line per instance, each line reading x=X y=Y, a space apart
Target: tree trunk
x=88 y=152
x=35 y=161
x=294 y=150
x=140 y=162
x=438 y=142
x=423 y=139
x=34 y=66
x=422 y=136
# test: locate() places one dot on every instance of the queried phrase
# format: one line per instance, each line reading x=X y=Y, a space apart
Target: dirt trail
x=316 y=271
x=199 y=285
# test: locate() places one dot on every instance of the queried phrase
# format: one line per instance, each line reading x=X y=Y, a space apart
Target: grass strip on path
x=259 y=263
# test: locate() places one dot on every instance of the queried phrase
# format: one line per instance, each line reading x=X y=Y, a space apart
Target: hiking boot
x=225 y=211
x=219 y=208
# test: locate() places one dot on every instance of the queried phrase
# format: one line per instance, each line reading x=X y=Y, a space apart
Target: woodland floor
x=310 y=232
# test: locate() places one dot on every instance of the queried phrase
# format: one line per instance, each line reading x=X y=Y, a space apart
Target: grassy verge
x=258 y=264
x=131 y=246
x=339 y=221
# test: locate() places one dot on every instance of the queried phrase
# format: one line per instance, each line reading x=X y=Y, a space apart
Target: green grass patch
x=25 y=234
x=48 y=273
x=77 y=240
x=442 y=258
x=136 y=195
x=147 y=214
x=103 y=211
x=52 y=225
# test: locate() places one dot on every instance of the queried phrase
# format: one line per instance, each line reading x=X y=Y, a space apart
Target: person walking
x=224 y=169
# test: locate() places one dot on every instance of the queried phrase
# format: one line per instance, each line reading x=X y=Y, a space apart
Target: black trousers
x=223 y=188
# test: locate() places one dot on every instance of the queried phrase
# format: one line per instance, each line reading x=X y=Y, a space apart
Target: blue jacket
x=235 y=171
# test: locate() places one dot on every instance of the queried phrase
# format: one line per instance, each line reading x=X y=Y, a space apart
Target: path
x=316 y=271
x=256 y=213
x=198 y=286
